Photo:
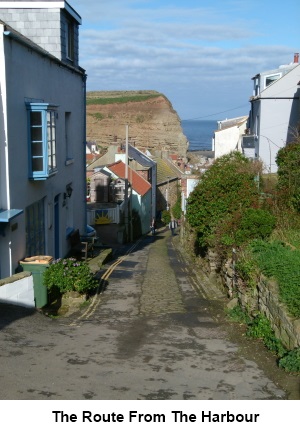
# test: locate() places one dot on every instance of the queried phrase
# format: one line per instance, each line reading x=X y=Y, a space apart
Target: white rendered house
x=139 y=194
x=42 y=136
x=274 y=116
x=228 y=136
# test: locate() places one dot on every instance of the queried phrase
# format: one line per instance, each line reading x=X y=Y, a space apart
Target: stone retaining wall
x=264 y=297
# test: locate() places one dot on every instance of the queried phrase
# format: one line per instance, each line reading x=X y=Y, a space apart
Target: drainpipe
x=84 y=79
x=7 y=203
x=126 y=154
x=126 y=187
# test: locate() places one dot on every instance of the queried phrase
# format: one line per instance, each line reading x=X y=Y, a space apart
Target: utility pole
x=167 y=194
x=130 y=205
x=126 y=186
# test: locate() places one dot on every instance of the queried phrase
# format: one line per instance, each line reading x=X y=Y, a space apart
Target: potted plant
x=69 y=278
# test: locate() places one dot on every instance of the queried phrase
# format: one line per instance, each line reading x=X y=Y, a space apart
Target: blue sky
x=200 y=54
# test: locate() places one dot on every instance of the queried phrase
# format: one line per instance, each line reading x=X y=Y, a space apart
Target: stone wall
x=263 y=297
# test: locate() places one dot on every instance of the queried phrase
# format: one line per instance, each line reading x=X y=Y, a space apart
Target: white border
x=32 y=4
x=41 y=5
x=37 y=414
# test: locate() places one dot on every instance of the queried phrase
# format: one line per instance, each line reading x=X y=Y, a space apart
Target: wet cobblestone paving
x=153 y=333
x=160 y=290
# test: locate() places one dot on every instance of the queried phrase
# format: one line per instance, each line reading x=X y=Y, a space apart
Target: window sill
x=69 y=161
x=9 y=214
x=42 y=177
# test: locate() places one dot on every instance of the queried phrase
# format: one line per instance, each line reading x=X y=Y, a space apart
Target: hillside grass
x=105 y=98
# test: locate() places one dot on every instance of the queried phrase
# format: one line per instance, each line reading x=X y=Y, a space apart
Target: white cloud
x=196 y=56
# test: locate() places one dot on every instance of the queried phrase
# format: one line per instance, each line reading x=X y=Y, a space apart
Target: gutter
x=253 y=99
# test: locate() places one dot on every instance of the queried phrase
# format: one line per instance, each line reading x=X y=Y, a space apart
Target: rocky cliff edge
x=152 y=122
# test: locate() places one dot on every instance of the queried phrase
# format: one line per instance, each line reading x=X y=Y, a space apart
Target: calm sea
x=199 y=133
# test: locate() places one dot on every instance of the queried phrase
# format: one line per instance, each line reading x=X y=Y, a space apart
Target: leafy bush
x=242 y=226
x=247 y=269
x=291 y=361
x=281 y=262
x=238 y=315
x=166 y=217
x=288 y=161
x=216 y=206
x=275 y=345
x=260 y=328
x=69 y=275
x=255 y=223
x=176 y=209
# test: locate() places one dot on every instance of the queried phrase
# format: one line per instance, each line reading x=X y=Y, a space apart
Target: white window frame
x=272 y=80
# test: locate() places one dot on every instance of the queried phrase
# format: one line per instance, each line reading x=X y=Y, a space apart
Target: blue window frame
x=42 y=140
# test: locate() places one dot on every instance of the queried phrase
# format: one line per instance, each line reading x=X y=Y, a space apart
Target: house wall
x=3 y=128
x=145 y=212
x=275 y=114
x=142 y=204
x=274 y=120
x=188 y=185
x=227 y=140
x=33 y=77
x=166 y=194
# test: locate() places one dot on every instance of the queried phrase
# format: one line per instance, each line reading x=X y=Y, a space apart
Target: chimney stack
x=296 y=57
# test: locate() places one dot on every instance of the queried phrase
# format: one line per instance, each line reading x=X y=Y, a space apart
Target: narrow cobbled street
x=157 y=331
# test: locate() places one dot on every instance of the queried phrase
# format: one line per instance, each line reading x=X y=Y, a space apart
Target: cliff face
x=151 y=120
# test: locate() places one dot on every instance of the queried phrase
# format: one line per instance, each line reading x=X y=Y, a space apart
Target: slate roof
x=139 y=184
x=166 y=170
x=233 y=122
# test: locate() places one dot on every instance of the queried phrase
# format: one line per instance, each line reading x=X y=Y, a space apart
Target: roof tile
x=139 y=184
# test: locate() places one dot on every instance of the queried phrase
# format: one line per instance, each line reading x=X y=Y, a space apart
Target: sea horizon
x=199 y=133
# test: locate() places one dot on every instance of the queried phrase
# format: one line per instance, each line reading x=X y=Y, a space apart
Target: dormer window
x=271 y=78
x=256 y=86
x=42 y=140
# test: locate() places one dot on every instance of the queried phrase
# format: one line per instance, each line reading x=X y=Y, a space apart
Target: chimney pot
x=296 y=57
